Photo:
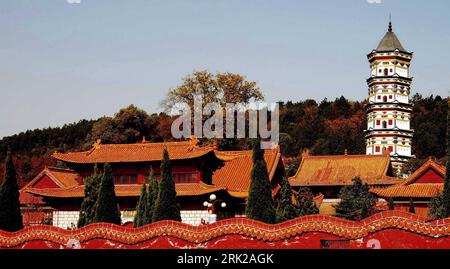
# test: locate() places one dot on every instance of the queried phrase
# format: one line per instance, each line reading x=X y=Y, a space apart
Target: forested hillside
x=327 y=127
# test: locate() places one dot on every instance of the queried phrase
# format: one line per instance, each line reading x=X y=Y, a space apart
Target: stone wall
x=69 y=219
x=194 y=217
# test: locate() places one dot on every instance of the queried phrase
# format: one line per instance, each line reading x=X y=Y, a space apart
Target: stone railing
x=389 y=229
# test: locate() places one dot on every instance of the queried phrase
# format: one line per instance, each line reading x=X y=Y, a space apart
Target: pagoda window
x=390 y=122
x=379 y=97
x=377 y=149
x=378 y=122
x=390 y=96
x=385 y=71
x=391 y=149
x=384 y=124
x=384 y=98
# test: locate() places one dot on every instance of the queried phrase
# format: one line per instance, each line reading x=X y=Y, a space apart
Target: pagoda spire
x=390 y=24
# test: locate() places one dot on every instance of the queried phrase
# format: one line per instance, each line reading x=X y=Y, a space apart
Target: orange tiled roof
x=422 y=190
x=64 y=178
x=339 y=170
x=189 y=189
x=140 y=152
x=235 y=174
x=409 y=189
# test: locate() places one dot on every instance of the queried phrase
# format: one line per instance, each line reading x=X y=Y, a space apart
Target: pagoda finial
x=390 y=23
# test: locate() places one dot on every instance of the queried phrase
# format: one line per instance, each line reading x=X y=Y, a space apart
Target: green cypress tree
x=356 y=201
x=107 y=208
x=260 y=204
x=87 y=210
x=446 y=192
x=306 y=205
x=411 y=207
x=141 y=208
x=166 y=207
x=436 y=207
x=151 y=197
x=10 y=215
x=286 y=210
x=391 y=203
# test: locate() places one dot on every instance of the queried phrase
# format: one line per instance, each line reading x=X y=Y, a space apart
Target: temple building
x=327 y=175
x=389 y=109
x=424 y=184
x=55 y=195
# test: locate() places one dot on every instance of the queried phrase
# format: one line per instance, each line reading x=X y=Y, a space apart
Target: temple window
x=185 y=177
x=384 y=125
x=125 y=179
x=385 y=71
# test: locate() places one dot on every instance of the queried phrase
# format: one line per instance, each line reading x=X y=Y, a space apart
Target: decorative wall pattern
x=315 y=231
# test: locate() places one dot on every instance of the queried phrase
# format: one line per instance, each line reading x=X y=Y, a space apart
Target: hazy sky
x=61 y=62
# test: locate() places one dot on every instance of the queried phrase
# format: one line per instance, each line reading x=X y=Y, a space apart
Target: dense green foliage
x=260 y=204
x=440 y=205
x=152 y=195
x=412 y=209
x=356 y=201
x=391 y=205
x=91 y=187
x=141 y=208
x=10 y=215
x=446 y=193
x=166 y=206
x=286 y=209
x=436 y=207
x=306 y=205
x=107 y=208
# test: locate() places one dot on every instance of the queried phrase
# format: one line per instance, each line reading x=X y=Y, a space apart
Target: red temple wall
x=430 y=176
x=390 y=229
x=420 y=209
x=45 y=182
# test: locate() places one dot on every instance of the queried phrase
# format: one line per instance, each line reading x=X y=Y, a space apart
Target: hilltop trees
x=107 y=208
x=10 y=215
x=166 y=206
x=356 y=201
x=128 y=125
x=91 y=187
x=260 y=204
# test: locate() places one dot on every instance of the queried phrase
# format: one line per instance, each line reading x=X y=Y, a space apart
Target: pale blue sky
x=62 y=62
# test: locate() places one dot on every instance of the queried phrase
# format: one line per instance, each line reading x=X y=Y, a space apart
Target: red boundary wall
x=389 y=229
